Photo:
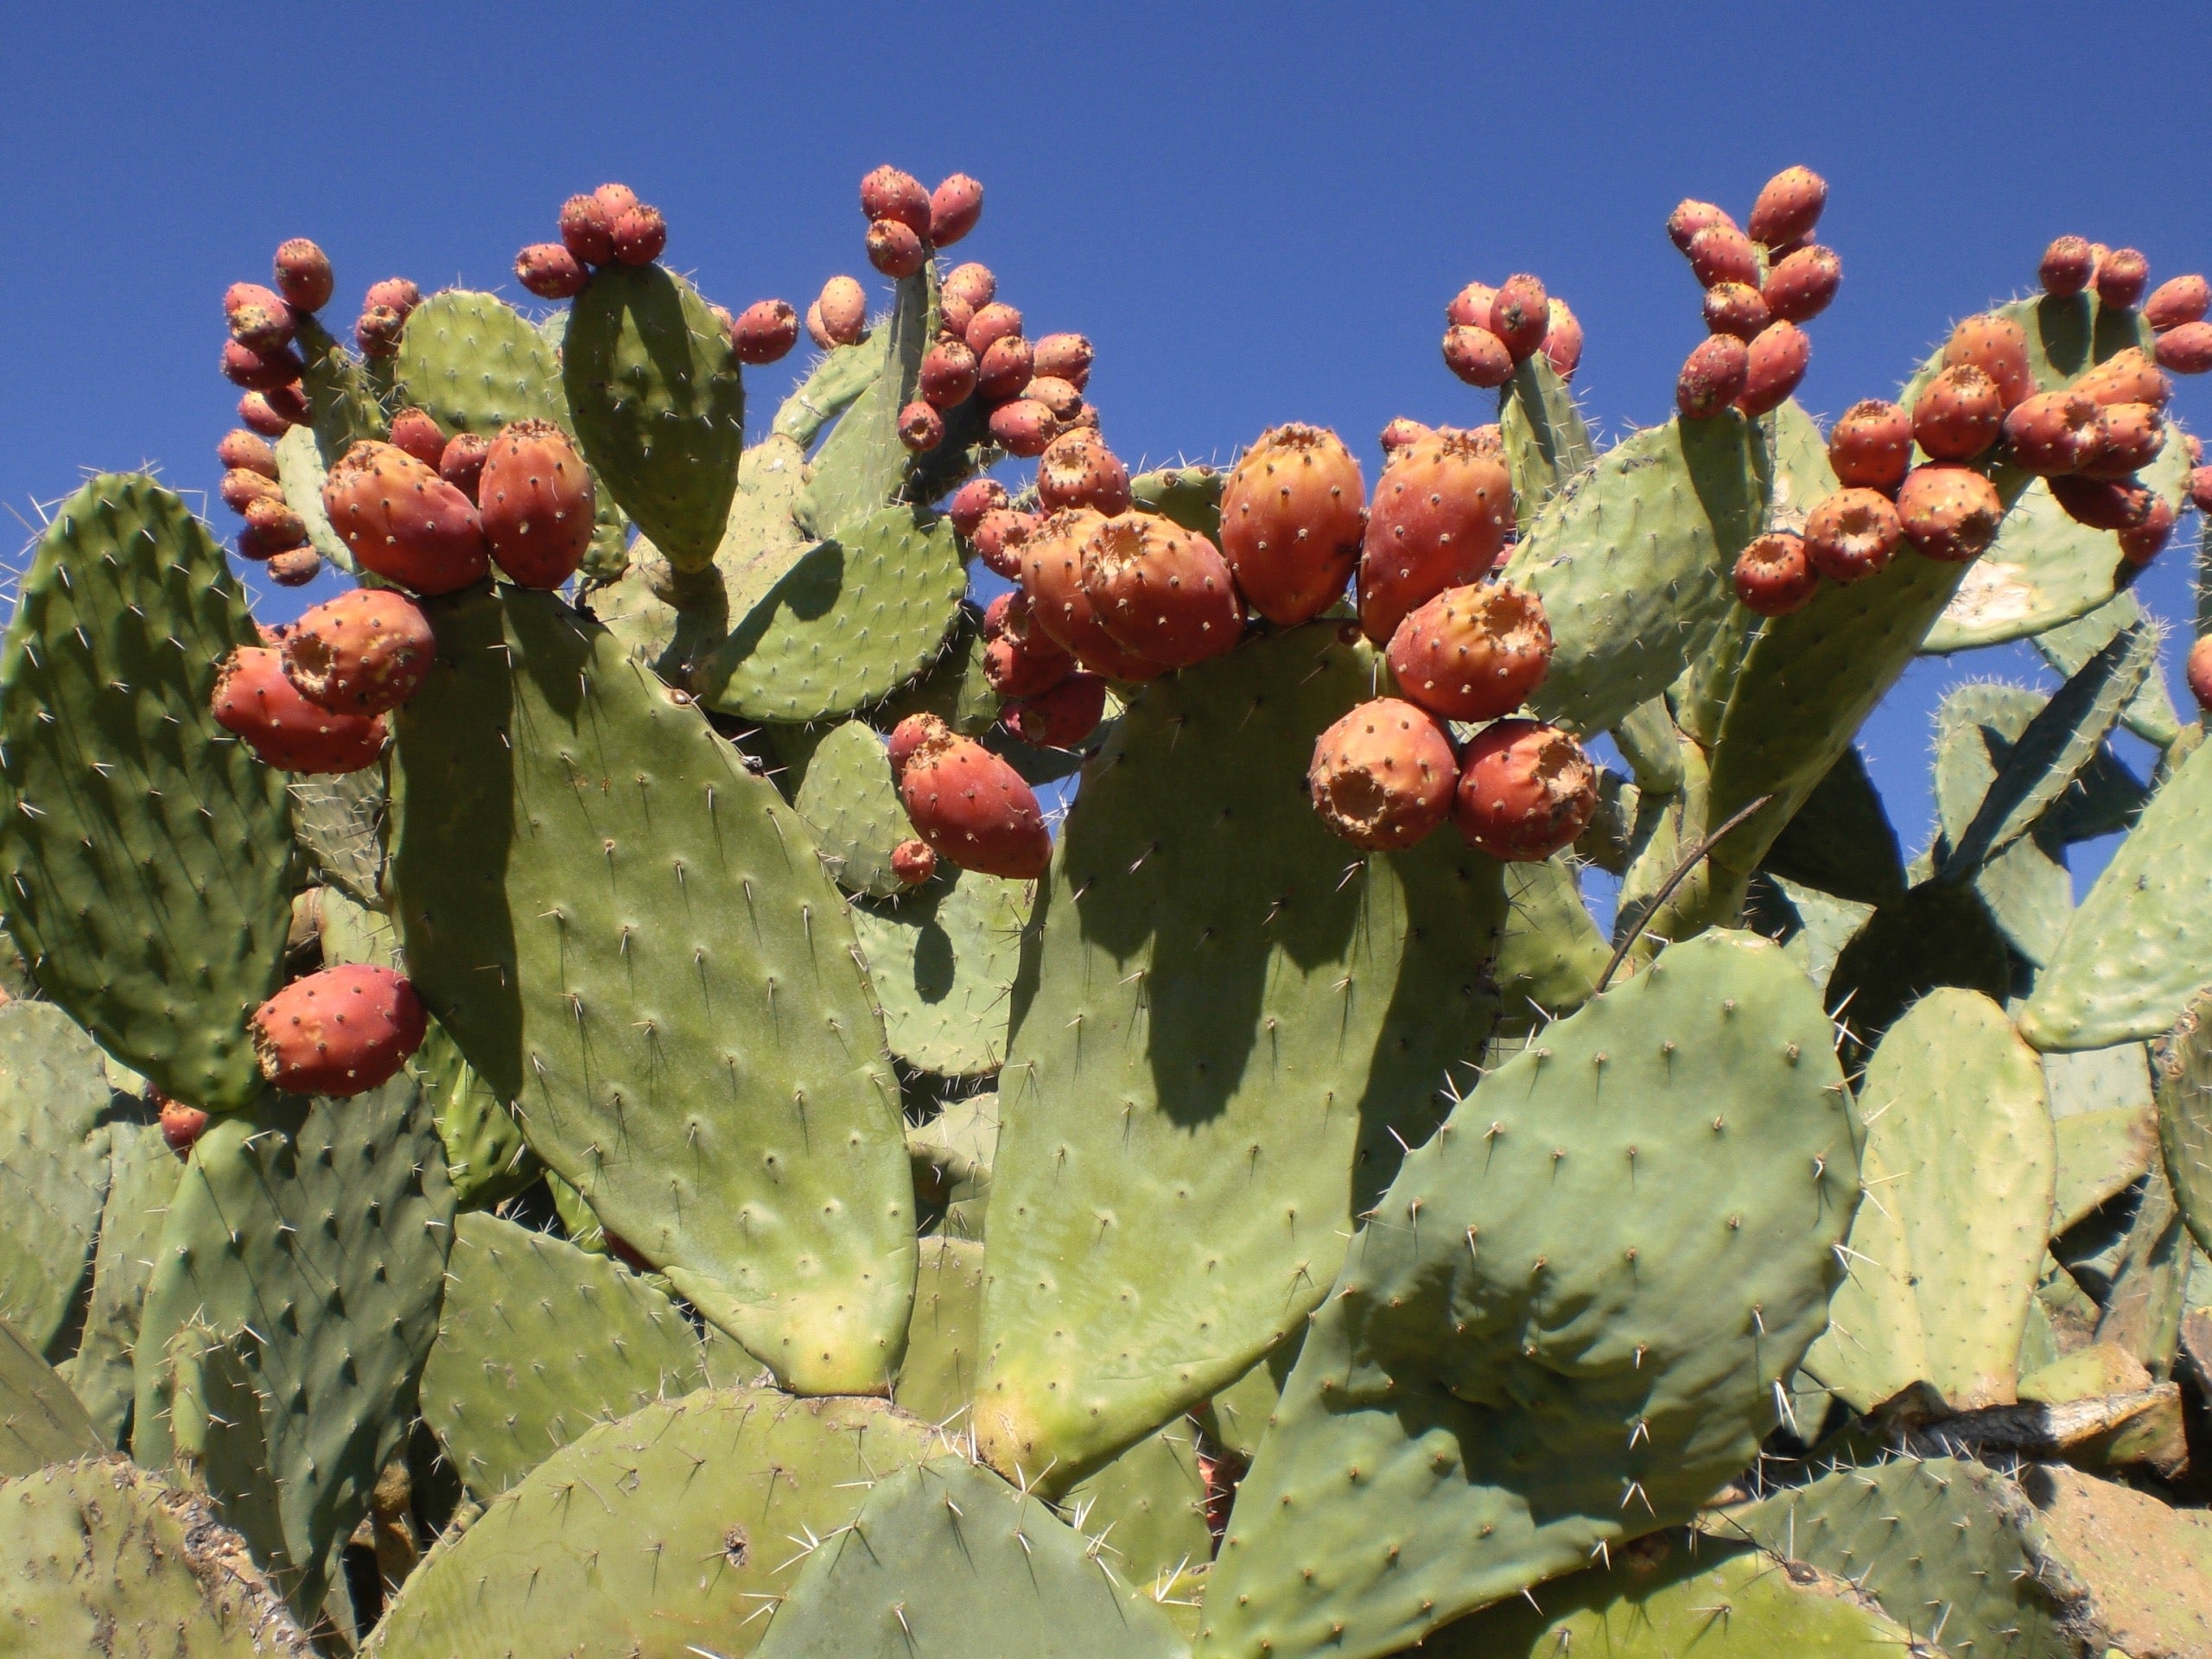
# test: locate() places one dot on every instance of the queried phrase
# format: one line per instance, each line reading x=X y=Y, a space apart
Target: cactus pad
x=42 y=1420
x=301 y=472
x=942 y=960
x=2185 y=1117
x=1189 y=496
x=54 y=1102
x=846 y=794
x=1546 y=440
x=487 y=1157
x=142 y=1180
x=938 y=1378
x=340 y=820
x=861 y=465
x=474 y=364
x=343 y=407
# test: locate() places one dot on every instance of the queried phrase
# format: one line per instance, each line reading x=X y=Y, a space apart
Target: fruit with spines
x=921 y=429
x=1078 y=470
x=2140 y=543
x=999 y=535
x=1003 y=366
x=2177 y=301
x=1063 y=357
x=2128 y=438
x=894 y=249
x=1803 y=284
x=294 y=566
x=1690 y=217
x=955 y=207
x=1476 y=356
x=1736 y=309
x=1439 y=518
x=460 y=463
x=1520 y=314
x=182 y=1126
x=971 y=501
x=1852 y=534
x=241 y=487
x=2186 y=349
x=1019 y=660
x=400 y=519
x=2198 y=671
x=1949 y=513
x=1525 y=791
x=972 y=284
x=1381 y=777
x=765 y=332
x=1713 y=377
x=913 y=861
x=1062 y=399
x=2068 y=265
x=1160 y=591
x=1398 y=433
x=1720 y=253
x=258 y=317
x=416 y=432
x=550 y=271
x=535 y=500
x=1774 y=575
x=1062 y=716
x=640 y=234
x=947 y=374
x=971 y=807
x=273 y=522
x=1562 y=342
x=1023 y=427
x=360 y=653
x=340 y=1032
x=1959 y=414
x=843 y=307
x=2051 y=433
x=1773 y=366
x=303 y=275
x=254 y=699
x=889 y=193
x=2120 y=278
x=1997 y=346
x=1472 y=653
x=257 y=413
x=259 y=370
x=2102 y=504
x=1470 y=307
x=1789 y=206
x=2127 y=376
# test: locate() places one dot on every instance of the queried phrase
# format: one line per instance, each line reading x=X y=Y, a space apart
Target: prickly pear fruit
x=971 y=501
x=461 y=462
x=844 y=311
x=587 y=230
x=414 y=431
x=1160 y=590
x=640 y=234
x=240 y=489
x=1526 y=790
x=1788 y=207
x=273 y=520
x=894 y=249
x=2142 y=543
x=947 y=374
x=1292 y=512
x=360 y=653
x=1476 y=356
x=1853 y=533
x=970 y=806
x=396 y=293
x=1774 y=367
x=2125 y=376
x=913 y=862
x=1802 y=284
x=303 y=275
x=2051 y=432
x=2121 y=275
x=953 y=316
x=1472 y=653
x=247 y=452
x=955 y=205
x=1003 y=368
x=550 y=271
x=537 y=500
x=1562 y=343
x=259 y=416
x=1440 y=514
x=2200 y=672
x=1736 y=309
x=2186 y=349
x=404 y=522
x=1078 y=470
x=182 y=1126
x=377 y=330
x=1470 y=307
x=2177 y=301
x=339 y=1031
x=921 y=429
x=1998 y=347
x=2200 y=489
x=972 y=284
x=1063 y=717
x=1870 y=445
x=1020 y=660
x=1959 y=414
x=1382 y=776
x=764 y=332
x=1690 y=217
x=1713 y=377
x=1774 y=575
x=1949 y=513
x=2068 y=264
x=816 y=330
x=253 y=699
x=1024 y=427
x=2128 y=436
x=252 y=544
x=1520 y=316
x=890 y=193
x=258 y=317
x=1398 y=435
x=2103 y=504
x=999 y=535
x=295 y=567
x=1720 y=253
x=1052 y=575
x=1062 y=399
x=1063 y=357
x=257 y=370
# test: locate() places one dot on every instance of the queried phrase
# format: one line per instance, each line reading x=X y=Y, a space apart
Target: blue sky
x=1256 y=213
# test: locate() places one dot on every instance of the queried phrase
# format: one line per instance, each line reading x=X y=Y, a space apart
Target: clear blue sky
x=1256 y=211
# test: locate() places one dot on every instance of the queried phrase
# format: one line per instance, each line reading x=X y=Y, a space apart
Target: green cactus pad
x=952 y=1156
x=945 y=1561
x=846 y=794
x=1551 y=953
x=353 y=933
x=1535 y=1347
x=862 y=465
x=2148 y=1567
x=487 y=1157
x=1842 y=841
x=143 y=850
x=850 y=622
x=472 y=364
x=838 y=377
x=343 y=405
x=144 y=1175
x=2185 y=1117
x=954 y=688
x=2134 y=952
x=658 y=404
x=942 y=959
x=538 y=1342
x=104 y=1558
x=670 y=1530
x=1547 y=442
x=632 y=941
x=938 y=1378
x=2150 y=716
x=54 y=1104
x=319 y=1231
x=1189 y=496
x=1631 y=561
x=1935 y=936
x=1230 y=1025
x=2101 y=1155
x=1147 y=1511
x=1938 y=1292
x=340 y=820
x=301 y=472
x=2143 y=1303
x=42 y=1420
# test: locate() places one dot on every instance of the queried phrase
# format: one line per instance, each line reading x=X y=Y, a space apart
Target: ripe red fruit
x=404 y=522
x=261 y=372
x=1521 y=315
x=339 y=1031
x=254 y=700
x=1476 y=356
x=461 y=462
x=258 y=414
x=1562 y=344
x=913 y=862
x=1949 y=513
x=955 y=205
x=2068 y=264
x=2200 y=489
x=1788 y=207
x=244 y=451
x=1736 y=309
x=587 y=230
x=921 y=429
x=953 y=316
x=2200 y=672
x=641 y=233
x=182 y=1125
x=377 y=331
x=537 y=500
x=894 y=249
x=1023 y=427
x=1774 y=575
x=1998 y=347
x=1720 y=253
x=2128 y=436
x=2125 y=376
x=971 y=284
x=2178 y=300
x=2103 y=504
x=1470 y=307
x=1440 y=514
x=258 y=317
x=271 y=518
x=947 y=374
x=1774 y=367
x=253 y=547
x=1020 y=660
x=1062 y=399
x=1851 y=534
x=844 y=311
x=992 y=323
x=1690 y=217
x=1382 y=776
x=2142 y=543
x=890 y=193
x=970 y=806
x=1052 y=575
x=1003 y=368
x=1062 y=717
x=1293 y=513
x=550 y=271
x=2121 y=276
x=2186 y=349
x=816 y=330
x=764 y=331
x=1400 y=432
x=240 y=489
x=1958 y=415
x=2051 y=432
x=1870 y=445
x=1063 y=357
x=295 y=567
x=1713 y=377
x=1800 y=285
x=1078 y=470
x=971 y=501
x=360 y=653
x=414 y=431
x=303 y=275
x=1526 y=790
x=999 y=537
x=1160 y=590
x=399 y=293
x=1473 y=653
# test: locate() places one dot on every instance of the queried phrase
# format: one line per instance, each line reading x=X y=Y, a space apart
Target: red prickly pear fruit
x=1470 y=307
x=1062 y=717
x=913 y=862
x=404 y=522
x=1713 y=377
x=587 y=230
x=258 y=317
x=641 y=233
x=894 y=249
x=1382 y=776
x=999 y=537
x=1397 y=436
x=461 y=462
x=272 y=519
x=816 y=330
x=1562 y=343
x=1998 y=347
x=1052 y=575
x=1851 y=534
x=537 y=500
x=1294 y=512
x=1774 y=368
x=288 y=402
x=1802 y=284
x=1774 y=575
x=1526 y=790
x=843 y=307
x=1789 y=206
x=2178 y=300
x=2186 y=349
x=2051 y=432
x=2125 y=376
x=1019 y=660
x=1002 y=369
x=398 y=293
x=955 y=207
x=182 y=1125
x=2121 y=276
x=1160 y=590
x=295 y=567
x=360 y=653
x=2128 y=436
x=377 y=331
x=550 y=271
x=303 y=275
x=246 y=452
x=995 y=612
x=1949 y=513
x=1473 y=652
x=241 y=489
x=1078 y=470
x=953 y=316
x=921 y=429
x=1959 y=414
x=261 y=372
x=2200 y=489
x=1690 y=217
x=339 y=1031
x=2103 y=504
x=992 y=323
x=2068 y=265
x=259 y=416
x=971 y=501
x=1024 y=427
x=256 y=547
x=614 y=199
x=1063 y=357
x=1720 y=253
x=1438 y=520
x=2143 y=544
x=1736 y=309
x=1871 y=446
x=889 y=193
x=971 y=807
x=1476 y=356
x=1062 y=399
x=765 y=331
x=971 y=284
x=254 y=701
x=2200 y=672
x=414 y=431
x=1520 y=316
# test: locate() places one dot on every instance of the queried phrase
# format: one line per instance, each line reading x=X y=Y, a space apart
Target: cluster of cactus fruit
x=574 y=1099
